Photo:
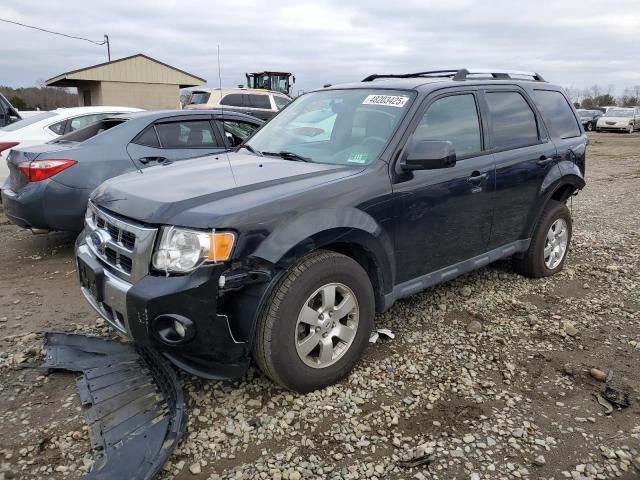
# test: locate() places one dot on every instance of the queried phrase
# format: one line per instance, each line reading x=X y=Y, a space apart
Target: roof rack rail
x=462 y=74
x=497 y=74
x=433 y=73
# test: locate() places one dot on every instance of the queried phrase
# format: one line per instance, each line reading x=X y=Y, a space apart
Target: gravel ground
x=488 y=376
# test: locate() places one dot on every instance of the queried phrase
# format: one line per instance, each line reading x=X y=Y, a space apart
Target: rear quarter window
x=281 y=102
x=233 y=100
x=557 y=113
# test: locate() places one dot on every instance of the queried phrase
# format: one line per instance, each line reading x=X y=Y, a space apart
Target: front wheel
x=316 y=323
x=550 y=243
x=589 y=126
x=630 y=130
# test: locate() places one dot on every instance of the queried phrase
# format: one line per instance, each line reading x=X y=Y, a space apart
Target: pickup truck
x=351 y=198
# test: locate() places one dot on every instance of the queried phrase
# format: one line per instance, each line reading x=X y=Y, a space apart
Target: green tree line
x=598 y=96
x=40 y=97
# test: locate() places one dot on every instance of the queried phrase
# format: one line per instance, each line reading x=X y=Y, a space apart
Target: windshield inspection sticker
x=358 y=157
x=388 y=100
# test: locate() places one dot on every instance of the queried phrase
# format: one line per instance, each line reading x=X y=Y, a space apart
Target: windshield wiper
x=251 y=149
x=289 y=156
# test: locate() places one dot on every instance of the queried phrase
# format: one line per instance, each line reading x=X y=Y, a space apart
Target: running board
x=418 y=284
x=132 y=399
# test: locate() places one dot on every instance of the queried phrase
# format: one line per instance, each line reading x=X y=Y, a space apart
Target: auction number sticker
x=388 y=100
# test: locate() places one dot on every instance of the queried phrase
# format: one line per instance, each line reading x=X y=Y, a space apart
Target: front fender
x=281 y=241
x=308 y=232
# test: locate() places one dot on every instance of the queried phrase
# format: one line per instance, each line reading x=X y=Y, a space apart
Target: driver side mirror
x=428 y=155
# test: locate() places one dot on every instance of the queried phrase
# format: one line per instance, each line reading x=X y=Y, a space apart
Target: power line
x=104 y=42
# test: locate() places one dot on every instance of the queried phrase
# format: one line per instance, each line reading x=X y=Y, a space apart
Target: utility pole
x=106 y=40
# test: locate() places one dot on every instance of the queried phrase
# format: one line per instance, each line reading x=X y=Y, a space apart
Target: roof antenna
x=226 y=151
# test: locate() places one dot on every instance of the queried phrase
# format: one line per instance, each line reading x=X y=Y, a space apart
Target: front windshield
x=585 y=113
x=345 y=127
x=618 y=112
x=28 y=121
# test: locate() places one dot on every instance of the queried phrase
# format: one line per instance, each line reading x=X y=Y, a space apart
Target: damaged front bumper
x=132 y=399
x=148 y=310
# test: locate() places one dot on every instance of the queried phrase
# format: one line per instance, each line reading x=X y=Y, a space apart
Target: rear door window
x=557 y=114
x=513 y=123
x=258 y=101
x=186 y=134
x=233 y=100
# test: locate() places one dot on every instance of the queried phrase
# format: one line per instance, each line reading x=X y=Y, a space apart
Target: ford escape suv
x=351 y=198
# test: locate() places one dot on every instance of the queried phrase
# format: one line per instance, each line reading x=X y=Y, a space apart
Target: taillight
x=38 y=170
x=7 y=145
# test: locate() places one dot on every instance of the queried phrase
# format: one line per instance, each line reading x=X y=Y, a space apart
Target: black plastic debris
x=615 y=396
x=133 y=403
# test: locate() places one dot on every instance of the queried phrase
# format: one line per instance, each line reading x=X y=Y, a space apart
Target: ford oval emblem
x=99 y=239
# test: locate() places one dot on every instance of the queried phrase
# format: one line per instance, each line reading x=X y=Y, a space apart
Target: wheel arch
x=350 y=232
x=559 y=185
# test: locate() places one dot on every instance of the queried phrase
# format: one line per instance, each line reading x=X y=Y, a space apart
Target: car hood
x=206 y=192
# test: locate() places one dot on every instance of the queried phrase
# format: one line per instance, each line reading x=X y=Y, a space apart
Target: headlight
x=181 y=250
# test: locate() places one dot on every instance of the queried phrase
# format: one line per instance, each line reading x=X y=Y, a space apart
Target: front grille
x=121 y=244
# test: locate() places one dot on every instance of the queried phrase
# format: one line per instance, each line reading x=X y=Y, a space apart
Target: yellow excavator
x=277 y=81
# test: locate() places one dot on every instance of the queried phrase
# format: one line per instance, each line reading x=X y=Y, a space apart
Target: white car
x=44 y=126
x=620 y=120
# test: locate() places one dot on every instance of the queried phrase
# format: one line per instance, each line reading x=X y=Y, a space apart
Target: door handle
x=477 y=177
x=544 y=160
x=145 y=160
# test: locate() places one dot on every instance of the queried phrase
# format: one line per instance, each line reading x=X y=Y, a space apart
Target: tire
x=533 y=262
x=589 y=127
x=280 y=334
x=630 y=131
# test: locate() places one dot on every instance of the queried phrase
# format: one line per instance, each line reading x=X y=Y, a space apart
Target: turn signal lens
x=38 y=170
x=221 y=245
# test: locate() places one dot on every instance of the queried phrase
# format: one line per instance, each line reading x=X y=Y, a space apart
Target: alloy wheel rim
x=327 y=325
x=555 y=245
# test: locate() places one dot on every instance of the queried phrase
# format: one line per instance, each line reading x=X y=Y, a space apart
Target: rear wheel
x=589 y=126
x=550 y=243
x=316 y=323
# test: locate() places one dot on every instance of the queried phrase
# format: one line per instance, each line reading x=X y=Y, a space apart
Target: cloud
x=573 y=42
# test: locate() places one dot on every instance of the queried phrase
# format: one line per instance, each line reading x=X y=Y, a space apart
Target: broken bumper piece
x=133 y=403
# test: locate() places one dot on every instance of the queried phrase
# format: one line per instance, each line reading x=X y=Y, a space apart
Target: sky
x=571 y=42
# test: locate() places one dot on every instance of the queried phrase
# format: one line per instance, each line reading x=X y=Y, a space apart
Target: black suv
x=351 y=198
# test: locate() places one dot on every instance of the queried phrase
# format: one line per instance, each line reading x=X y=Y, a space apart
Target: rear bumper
x=46 y=205
x=134 y=310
